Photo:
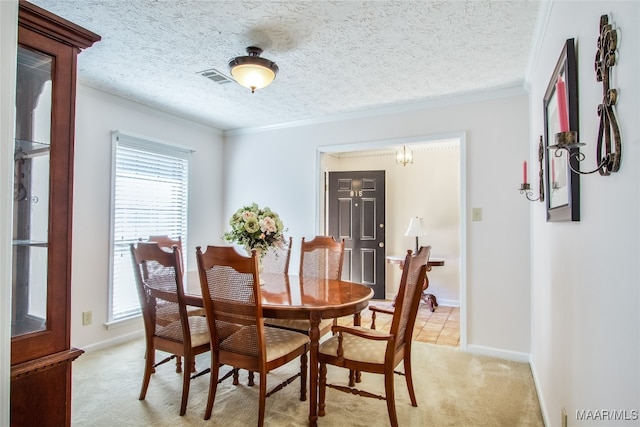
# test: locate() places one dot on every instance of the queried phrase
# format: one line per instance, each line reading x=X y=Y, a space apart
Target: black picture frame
x=562 y=184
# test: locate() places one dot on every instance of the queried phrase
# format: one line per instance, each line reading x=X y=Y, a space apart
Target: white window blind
x=150 y=186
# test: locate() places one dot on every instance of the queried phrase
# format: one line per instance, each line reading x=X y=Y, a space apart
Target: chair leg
x=263 y=398
x=251 y=382
x=236 y=375
x=178 y=364
x=391 y=399
x=213 y=387
x=186 y=382
x=303 y=376
x=409 y=378
x=373 y=319
x=322 y=389
x=149 y=361
x=352 y=378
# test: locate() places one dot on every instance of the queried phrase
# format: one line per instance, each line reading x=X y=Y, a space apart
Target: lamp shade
x=252 y=71
x=416 y=228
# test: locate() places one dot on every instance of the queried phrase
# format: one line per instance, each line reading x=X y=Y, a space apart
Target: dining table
x=286 y=296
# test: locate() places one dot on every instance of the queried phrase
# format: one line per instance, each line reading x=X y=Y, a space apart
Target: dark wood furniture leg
x=314 y=336
x=430 y=300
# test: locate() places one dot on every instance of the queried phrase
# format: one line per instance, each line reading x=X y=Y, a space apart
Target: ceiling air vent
x=215 y=75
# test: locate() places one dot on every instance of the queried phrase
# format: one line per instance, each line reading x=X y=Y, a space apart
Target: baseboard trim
x=541 y=400
x=496 y=352
x=449 y=302
x=113 y=341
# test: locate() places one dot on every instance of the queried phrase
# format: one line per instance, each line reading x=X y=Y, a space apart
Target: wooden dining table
x=294 y=297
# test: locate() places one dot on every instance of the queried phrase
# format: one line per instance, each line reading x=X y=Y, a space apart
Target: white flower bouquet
x=256 y=228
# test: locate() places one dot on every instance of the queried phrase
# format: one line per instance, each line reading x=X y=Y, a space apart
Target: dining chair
x=320 y=258
x=233 y=306
x=367 y=350
x=388 y=308
x=277 y=258
x=158 y=275
x=168 y=312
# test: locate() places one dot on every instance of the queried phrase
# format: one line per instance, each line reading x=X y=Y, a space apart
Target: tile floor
x=440 y=327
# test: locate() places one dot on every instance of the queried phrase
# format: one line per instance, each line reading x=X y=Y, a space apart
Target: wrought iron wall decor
x=525 y=187
x=562 y=186
x=608 y=153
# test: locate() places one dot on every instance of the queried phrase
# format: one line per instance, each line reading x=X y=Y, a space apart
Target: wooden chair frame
x=388 y=308
x=398 y=340
x=320 y=243
x=179 y=344
x=242 y=316
x=279 y=265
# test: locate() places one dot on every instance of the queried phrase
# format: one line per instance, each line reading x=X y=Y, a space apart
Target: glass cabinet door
x=31 y=192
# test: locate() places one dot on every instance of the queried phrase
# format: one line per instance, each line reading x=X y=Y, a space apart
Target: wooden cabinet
x=41 y=354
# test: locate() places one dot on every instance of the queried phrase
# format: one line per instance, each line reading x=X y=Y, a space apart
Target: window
x=149 y=197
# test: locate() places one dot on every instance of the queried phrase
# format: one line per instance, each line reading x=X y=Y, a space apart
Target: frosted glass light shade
x=253 y=76
x=404 y=156
x=252 y=71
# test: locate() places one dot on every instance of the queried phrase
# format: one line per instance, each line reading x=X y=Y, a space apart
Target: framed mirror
x=561 y=115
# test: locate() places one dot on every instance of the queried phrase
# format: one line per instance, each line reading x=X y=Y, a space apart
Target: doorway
x=412 y=191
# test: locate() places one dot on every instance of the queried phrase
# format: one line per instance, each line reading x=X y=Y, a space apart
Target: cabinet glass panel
x=31 y=192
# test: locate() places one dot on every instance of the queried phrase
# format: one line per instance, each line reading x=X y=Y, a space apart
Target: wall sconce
x=416 y=229
x=405 y=156
x=525 y=187
x=609 y=158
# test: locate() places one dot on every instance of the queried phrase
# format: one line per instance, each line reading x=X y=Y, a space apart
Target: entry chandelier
x=404 y=156
x=252 y=71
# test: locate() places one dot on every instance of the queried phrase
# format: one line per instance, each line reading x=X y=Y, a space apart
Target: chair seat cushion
x=357 y=348
x=279 y=342
x=298 y=325
x=198 y=326
x=168 y=312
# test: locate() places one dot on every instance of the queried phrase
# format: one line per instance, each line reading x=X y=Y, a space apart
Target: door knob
x=381 y=244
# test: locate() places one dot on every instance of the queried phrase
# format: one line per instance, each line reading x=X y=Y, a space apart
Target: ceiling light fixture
x=252 y=71
x=404 y=156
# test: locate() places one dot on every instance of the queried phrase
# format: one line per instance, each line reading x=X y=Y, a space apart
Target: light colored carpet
x=453 y=388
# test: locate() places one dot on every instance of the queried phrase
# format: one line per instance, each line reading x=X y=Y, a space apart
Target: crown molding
x=505 y=92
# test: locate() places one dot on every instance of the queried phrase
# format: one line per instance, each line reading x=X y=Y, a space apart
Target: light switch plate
x=476 y=214
x=87 y=318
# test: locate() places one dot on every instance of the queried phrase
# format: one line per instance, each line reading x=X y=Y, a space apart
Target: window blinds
x=150 y=187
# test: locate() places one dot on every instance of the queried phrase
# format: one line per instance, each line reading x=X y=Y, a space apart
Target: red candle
x=524 y=171
x=563 y=112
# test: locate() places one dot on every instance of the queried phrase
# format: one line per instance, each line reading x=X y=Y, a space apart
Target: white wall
x=8 y=50
x=277 y=167
x=428 y=188
x=585 y=276
x=97 y=115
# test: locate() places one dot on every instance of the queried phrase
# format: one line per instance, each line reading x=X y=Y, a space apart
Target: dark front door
x=356 y=209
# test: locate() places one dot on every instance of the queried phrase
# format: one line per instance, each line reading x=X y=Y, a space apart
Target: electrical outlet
x=564 y=417
x=476 y=214
x=87 y=318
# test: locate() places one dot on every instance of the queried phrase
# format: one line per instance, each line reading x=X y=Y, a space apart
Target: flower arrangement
x=256 y=228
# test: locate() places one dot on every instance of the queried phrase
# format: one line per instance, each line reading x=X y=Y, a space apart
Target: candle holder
x=525 y=187
x=609 y=155
x=568 y=140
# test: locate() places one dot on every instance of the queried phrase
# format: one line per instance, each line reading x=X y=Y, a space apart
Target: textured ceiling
x=335 y=57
